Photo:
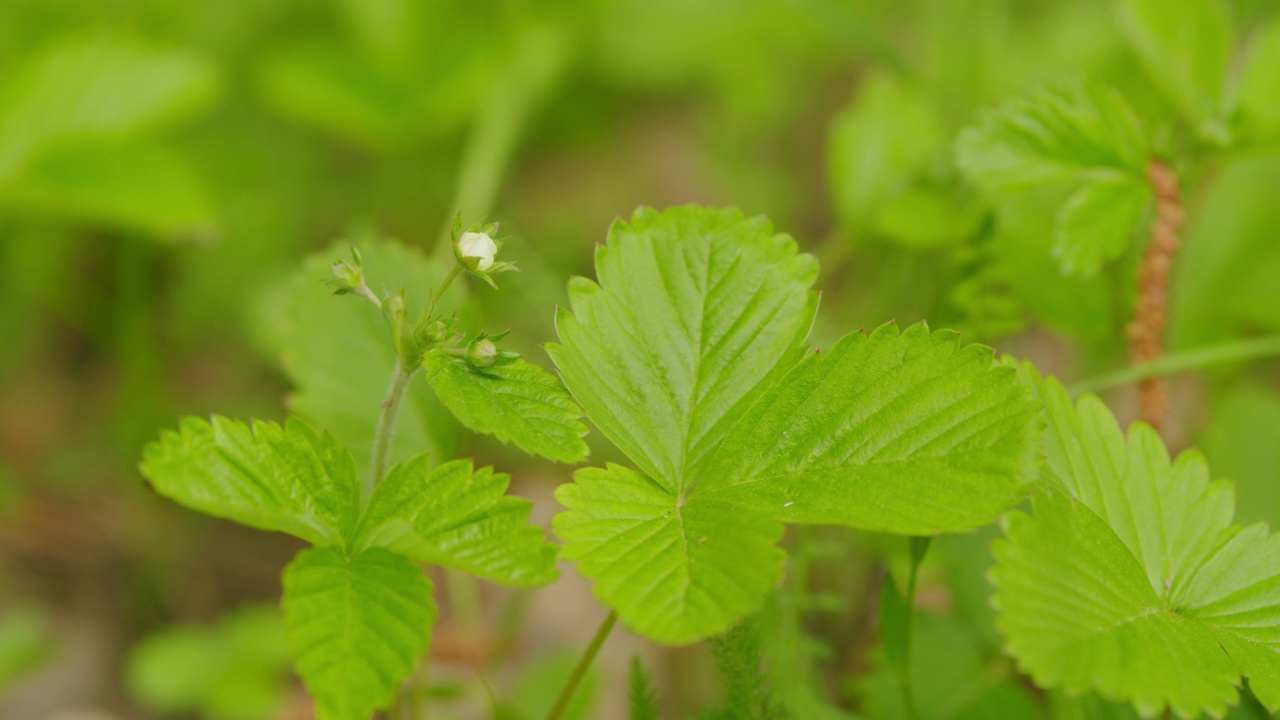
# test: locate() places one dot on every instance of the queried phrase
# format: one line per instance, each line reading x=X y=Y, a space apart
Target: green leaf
x=1053 y=134
x=696 y=310
x=356 y=625
x=641 y=697
x=675 y=571
x=879 y=143
x=904 y=432
x=1130 y=578
x=338 y=352
x=515 y=401
x=135 y=185
x=1242 y=440
x=1186 y=46
x=454 y=516
x=1260 y=79
x=98 y=88
x=290 y=479
x=1098 y=222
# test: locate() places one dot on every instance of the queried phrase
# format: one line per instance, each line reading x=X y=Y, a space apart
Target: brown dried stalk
x=1146 y=330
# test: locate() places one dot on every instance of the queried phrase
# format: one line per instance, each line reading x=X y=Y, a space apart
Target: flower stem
x=382 y=434
x=579 y=672
x=1224 y=354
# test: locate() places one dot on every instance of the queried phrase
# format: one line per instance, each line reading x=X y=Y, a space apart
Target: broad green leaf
x=1186 y=46
x=879 y=143
x=515 y=401
x=903 y=432
x=695 y=311
x=1130 y=579
x=924 y=218
x=1260 y=78
x=291 y=479
x=338 y=352
x=674 y=570
x=1052 y=134
x=455 y=516
x=1098 y=222
x=136 y=185
x=98 y=87
x=356 y=625
x=1242 y=441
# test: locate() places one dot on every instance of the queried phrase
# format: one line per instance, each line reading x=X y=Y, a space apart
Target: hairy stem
x=384 y=431
x=1146 y=330
x=579 y=672
x=1199 y=358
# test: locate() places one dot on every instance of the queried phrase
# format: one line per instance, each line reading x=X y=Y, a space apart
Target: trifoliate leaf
x=290 y=479
x=695 y=310
x=515 y=401
x=1098 y=222
x=338 y=353
x=455 y=516
x=1052 y=134
x=1130 y=578
x=356 y=625
x=903 y=432
x=1186 y=46
x=693 y=327
x=674 y=570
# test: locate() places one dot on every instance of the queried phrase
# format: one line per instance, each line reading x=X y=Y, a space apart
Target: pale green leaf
x=1098 y=222
x=674 y=570
x=338 y=352
x=136 y=185
x=356 y=625
x=455 y=516
x=879 y=143
x=1260 y=78
x=1186 y=46
x=515 y=401
x=696 y=309
x=98 y=88
x=1242 y=441
x=291 y=479
x=905 y=432
x=1130 y=579
x=1053 y=134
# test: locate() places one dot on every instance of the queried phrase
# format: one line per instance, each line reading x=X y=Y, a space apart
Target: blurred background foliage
x=165 y=168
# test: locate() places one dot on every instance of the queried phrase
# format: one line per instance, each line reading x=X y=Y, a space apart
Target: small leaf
x=289 y=479
x=695 y=311
x=675 y=571
x=902 y=432
x=1052 y=134
x=515 y=401
x=1130 y=579
x=356 y=625
x=1098 y=222
x=451 y=515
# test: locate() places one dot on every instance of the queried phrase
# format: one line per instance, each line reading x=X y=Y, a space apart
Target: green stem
x=1199 y=358
x=579 y=672
x=919 y=546
x=385 y=430
x=439 y=293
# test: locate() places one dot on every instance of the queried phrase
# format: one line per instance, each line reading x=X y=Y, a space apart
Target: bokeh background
x=166 y=167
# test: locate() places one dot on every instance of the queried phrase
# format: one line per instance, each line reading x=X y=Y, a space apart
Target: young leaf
x=903 y=432
x=641 y=697
x=1130 y=578
x=1098 y=222
x=451 y=515
x=696 y=321
x=356 y=625
x=1052 y=134
x=290 y=479
x=695 y=310
x=338 y=353
x=675 y=571
x=515 y=401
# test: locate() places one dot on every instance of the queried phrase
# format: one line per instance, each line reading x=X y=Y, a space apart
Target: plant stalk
x=919 y=546
x=1146 y=330
x=1199 y=358
x=579 y=672
x=385 y=428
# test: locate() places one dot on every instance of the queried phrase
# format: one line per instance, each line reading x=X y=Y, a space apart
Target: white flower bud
x=477 y=249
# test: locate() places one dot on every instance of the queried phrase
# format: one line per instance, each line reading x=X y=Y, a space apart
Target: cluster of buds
x=483 y=352
x=476 y=250
x=348 y=278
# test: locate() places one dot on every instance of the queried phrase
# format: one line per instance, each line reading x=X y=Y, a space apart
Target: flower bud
x=482 y=353
x=476 y=250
